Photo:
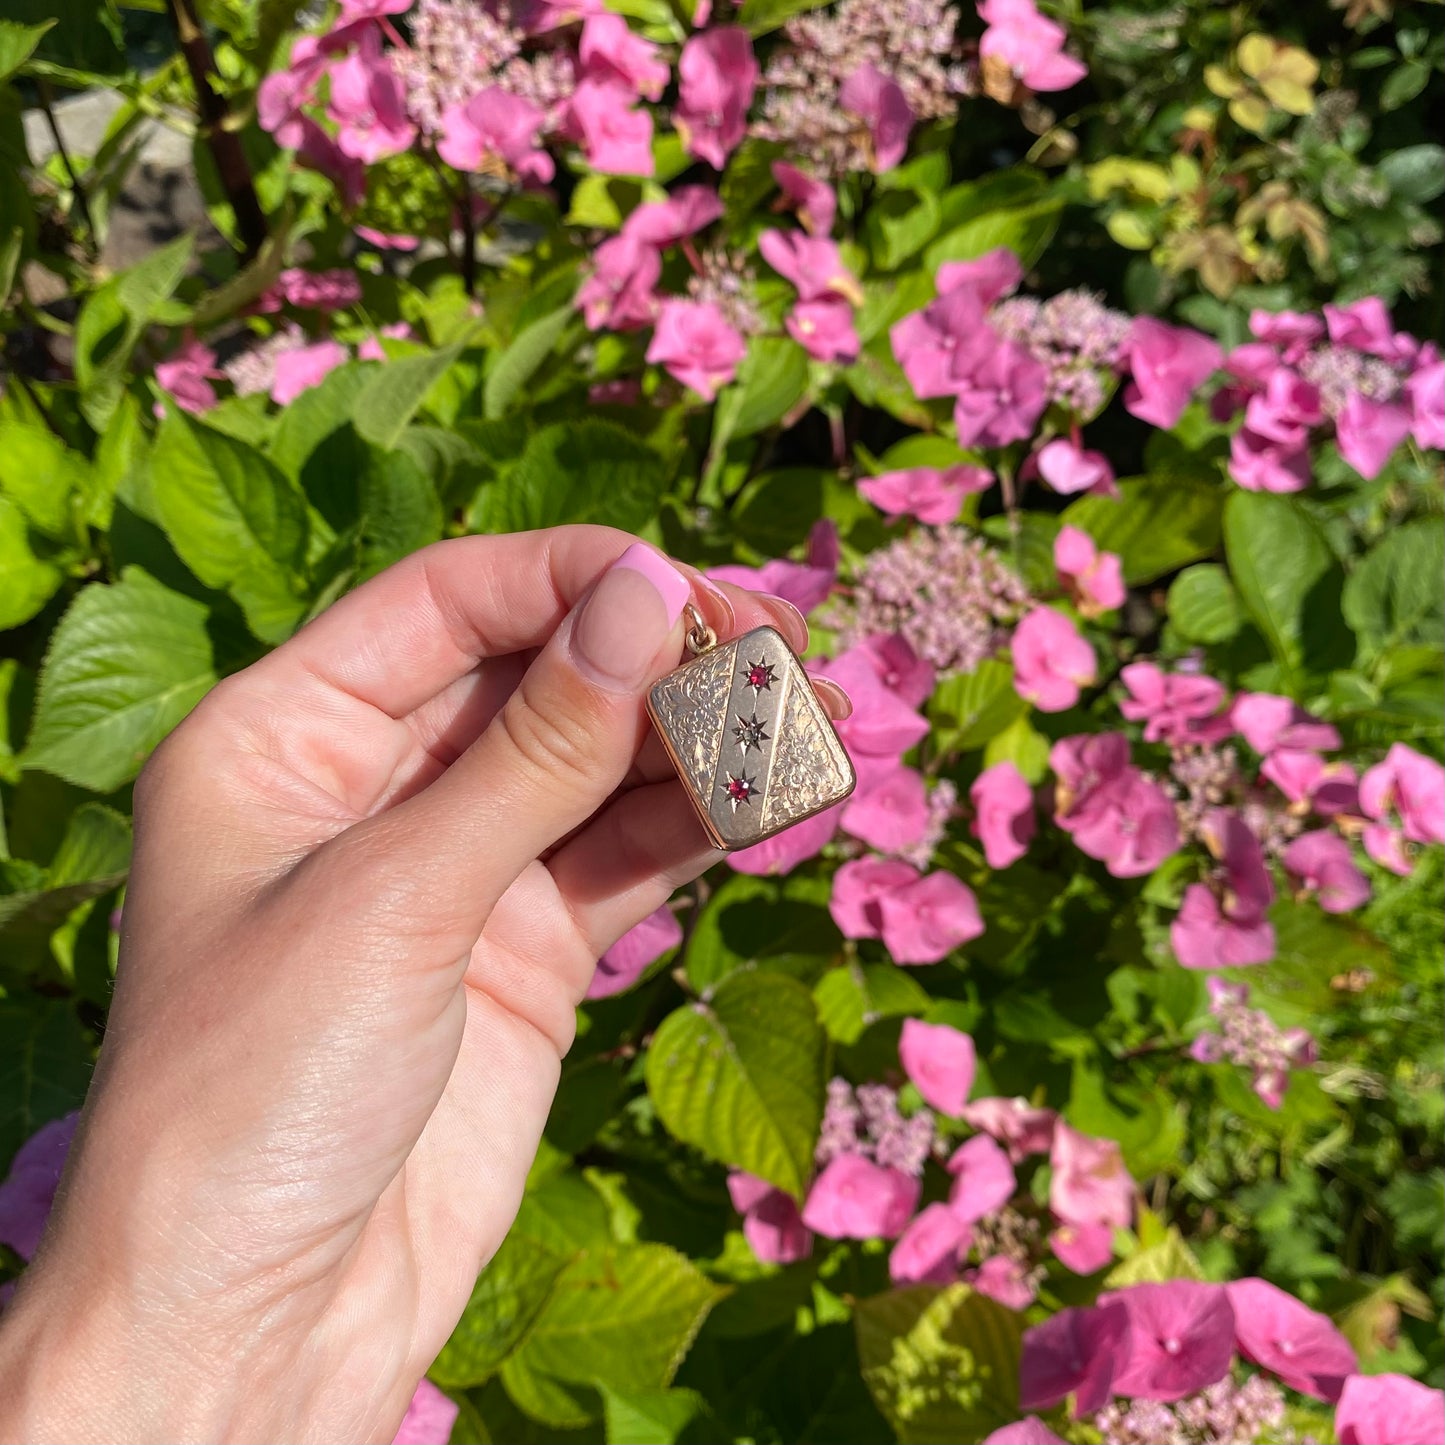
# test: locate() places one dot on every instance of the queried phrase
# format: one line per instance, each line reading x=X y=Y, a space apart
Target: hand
x=372 y=876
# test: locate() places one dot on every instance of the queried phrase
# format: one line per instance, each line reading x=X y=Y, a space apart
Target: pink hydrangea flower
x=1266 y=722
x=1294 y=331
x=1019 y=1126
x=824 y=329
x=925 y=920
x=889 y=809
x=929 y=1250
x=1130 y=826
x=428 y=1419
x=857 y=888
x=1412 y=785
x=495 y=124
x=784 y=851
x=28 y=1190
x=878 y=100
x=988 y=277
x=1003 y=814
x=695 y=344
x=1030 y=45
x=813 y=200
x=805 y=584
x=1425 y=391
x=854 y=1198
x=812 y=263
x=983 y=1178
x=628 y=959
x=684 y=213
x=1168 y=365
x=717 y=75
x=1068 y=468
x=1299 y=1345
x=368 y=106
x=937 y=346
x=1001 y=398
x=1203 y=935
x=772 y=1225
x=931 y=494
x=1389 y=1410
x=1260 y=464
x=1004 y=1280
x=1051 y=661
x=319 y=152
x=1386 y=845
x=187 y=374
x=1029 y=1431
x=1073 y=1353
x=620 y=294
x=1323 y=864
x=616 y=138
x=611 y=52
x=1181 y=1339
x=1367 y=432
x=1363 y=325
x=372 y=350
x=1177 y=707
x=1089 y=1183
x=940 y=1061
x=882 y=724
x=281 y=94
x=899 y=668
x=1095 y=579
x=1083 y=1248
x=300 y=369
x=355 y=10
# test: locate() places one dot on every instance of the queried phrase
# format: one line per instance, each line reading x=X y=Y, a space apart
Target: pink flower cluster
x=1348 y=371
x=872 y=1161
x=1159 y=1363
x=1005 y=361
x=1250 y=1038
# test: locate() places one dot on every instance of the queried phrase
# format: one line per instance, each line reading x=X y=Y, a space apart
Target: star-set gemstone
x=740 y=789
x=759 y=676
x=750 y=733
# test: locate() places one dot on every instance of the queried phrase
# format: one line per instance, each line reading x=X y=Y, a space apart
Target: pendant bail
x=700 y=637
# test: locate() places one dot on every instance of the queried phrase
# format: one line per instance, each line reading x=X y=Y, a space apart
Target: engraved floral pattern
x=691 y=706
x=809 y=770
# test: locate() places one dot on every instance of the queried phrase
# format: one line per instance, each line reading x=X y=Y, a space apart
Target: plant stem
x=225 y=145
x=82 y=206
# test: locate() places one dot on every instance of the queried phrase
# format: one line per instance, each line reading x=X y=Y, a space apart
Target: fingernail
x=626 y=620
x=790 y=621
x=838 y=703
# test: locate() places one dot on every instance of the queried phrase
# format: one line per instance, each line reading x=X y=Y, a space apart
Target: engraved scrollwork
x=808 y=768
x=691 y=704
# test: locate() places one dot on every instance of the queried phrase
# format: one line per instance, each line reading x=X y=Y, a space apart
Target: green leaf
x=780 y=924
x=1021 y=744
x=741 y=1078
x=857 y=995
x=1395 y=597
x=1203 y=604
x=942 y=1364
x=587 y=471
x=1157 y=524
x=17 y=45
x=112 y=320
x=235 y=519
x=973 y=707
x=126 y=663
x=311 y=421
x=395 y=391
x=758 y=17
x=1415 y=173
x=1025 y=230
x=1290 y=582
x=508 y=1296
x=649 y=1417
x=93 y=858
x=1171 y=1258
x=27 y=582
x=623 y=1317
x=899 y=224
x=512 y=369
x=775 y=512
x=771 y=379
x=398 y=511
x=44 y=478
x=45 y=1063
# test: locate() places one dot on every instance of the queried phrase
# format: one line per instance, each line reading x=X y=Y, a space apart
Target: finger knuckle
x=551 y=740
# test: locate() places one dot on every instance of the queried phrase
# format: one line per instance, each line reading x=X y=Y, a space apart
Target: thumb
x=551 y=757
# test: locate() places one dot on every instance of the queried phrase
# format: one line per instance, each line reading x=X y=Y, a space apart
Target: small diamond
x=740 y=789
x=750 y=732
x=759 y=676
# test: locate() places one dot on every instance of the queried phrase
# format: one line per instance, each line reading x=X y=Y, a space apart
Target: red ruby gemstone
x=758 y=676
x=739 y=788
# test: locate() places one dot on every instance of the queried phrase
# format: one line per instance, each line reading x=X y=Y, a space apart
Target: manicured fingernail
x=790 y=622
x=838 y=703
x=626 y=620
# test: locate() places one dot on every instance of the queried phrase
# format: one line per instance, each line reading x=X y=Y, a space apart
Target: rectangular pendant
x=753 y=745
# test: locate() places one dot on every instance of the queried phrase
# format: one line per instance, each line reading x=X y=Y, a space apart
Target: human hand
x=372 y=876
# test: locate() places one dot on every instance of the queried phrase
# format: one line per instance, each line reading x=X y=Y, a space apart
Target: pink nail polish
x=620 y=631
x=670 y=583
